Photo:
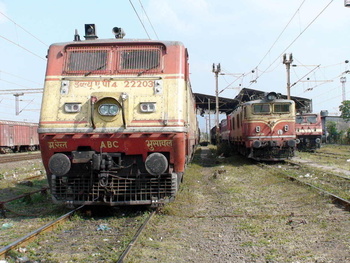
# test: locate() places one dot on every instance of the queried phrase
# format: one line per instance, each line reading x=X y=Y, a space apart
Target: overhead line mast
x=287 y=62
x=216 y=71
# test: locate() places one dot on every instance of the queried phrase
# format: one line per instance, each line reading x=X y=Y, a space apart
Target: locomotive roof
x=301 y=104
x=119 y=40
x=226 y=105
x=264 y=101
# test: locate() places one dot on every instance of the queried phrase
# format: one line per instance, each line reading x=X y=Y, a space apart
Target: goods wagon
x=18 y=136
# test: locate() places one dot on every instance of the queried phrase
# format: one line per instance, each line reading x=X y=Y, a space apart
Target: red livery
x=261 y=129
x=309 y=131
x=18 y=136
x=118 y=120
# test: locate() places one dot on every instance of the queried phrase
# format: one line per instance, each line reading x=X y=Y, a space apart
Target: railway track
x=128 y=244
x=31 y=236
x=330 y=184
x=332 y=171
x=19 y=157
x=332 y=155
x=4 y=209
x=135 y=237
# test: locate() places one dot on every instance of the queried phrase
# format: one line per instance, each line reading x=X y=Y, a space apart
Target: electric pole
x=216 y=71
x=287 y=62
x=343 y=81
x=209 y=118
x=17 y=101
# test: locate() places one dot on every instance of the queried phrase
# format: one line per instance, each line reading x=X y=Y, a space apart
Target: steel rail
x=2 y=203
x=19 y=157
x=134 y=239
x=335 y=199
x=306 y=163
x=332 y=155
x=31 y=236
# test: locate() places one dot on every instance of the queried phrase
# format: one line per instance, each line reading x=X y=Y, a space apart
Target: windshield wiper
x=87 y=74
x=147 y=69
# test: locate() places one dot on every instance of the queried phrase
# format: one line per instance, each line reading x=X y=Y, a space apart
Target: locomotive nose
x=59 y=164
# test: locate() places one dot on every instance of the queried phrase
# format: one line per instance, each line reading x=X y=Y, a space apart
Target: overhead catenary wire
x=13 y=83
x=12 y=42
x=24 y=29
x=295 y=39
x=279 y=36
x=139 y=19
x=19 y=77
x=149 y=21
x=305 y=75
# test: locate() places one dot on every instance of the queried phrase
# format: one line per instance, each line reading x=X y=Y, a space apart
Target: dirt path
x=230 y=210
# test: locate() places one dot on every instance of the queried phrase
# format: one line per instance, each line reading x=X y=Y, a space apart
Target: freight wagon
x=18 y=136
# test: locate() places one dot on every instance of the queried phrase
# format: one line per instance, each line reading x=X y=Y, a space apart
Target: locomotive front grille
x=116 y=190
x=270 y=153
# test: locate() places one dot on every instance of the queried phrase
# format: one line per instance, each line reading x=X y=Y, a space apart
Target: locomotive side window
x=80 y=60
x=139 y=59
x=281 y=108
x=261 y=108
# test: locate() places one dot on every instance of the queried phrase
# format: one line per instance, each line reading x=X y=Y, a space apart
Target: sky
x=248 y=38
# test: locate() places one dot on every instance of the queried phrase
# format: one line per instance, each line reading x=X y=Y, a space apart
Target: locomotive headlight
x=72 y=107
x=271 y=96
x=147 y=106
x=108 y=109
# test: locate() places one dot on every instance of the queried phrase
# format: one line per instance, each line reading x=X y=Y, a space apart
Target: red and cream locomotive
x=309 y=131
x=118 y=120
x=261 y=129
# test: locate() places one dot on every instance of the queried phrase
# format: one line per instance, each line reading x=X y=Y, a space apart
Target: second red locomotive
x=309 y=131
x=262 y=129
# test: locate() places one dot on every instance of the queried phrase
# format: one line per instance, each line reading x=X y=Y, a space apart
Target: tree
x=345 y=110
x=333 y=134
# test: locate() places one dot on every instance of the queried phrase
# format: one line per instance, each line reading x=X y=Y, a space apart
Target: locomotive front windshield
x=139 y=59
x=111 y=59
x=306 y=119
x=268 y=108
x=261 y=108
x=281 y=108
x=83 y=60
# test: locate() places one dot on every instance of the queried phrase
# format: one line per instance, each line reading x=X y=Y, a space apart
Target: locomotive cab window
x=299 y=119
x=311 y=119
x=281 y=108
x=81 y=60
x=261 y=108
x=139 y=60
